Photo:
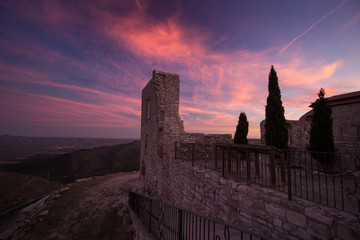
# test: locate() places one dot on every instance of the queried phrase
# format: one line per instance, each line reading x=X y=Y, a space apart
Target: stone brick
x=274 y=210
x=296 y=218
x=344 y=232
x=238 y=196
x=214 y=176
x=293 y=238
x=246 y=220
x=247 y=203
x=315 y=213
x=242 y=188
x=234 y=185
x=301 y=234
x=223 y=181
x=259 y=204
x=277 y=222
x=198 y=196
x=271 y=199
x=261 y=221
x=253 y=193
x=286 y=227
x=318 y=230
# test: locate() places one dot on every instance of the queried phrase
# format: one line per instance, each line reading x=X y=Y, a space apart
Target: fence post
x=248 y=164
x=287 y=156
x=150 y=215
x=257 y=167
x=229 y=160
x=272 y=167
x=180 y=224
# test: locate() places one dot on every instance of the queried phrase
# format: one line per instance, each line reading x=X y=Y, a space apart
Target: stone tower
x=161 y=126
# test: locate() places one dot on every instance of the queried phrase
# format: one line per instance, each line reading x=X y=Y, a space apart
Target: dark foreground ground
x=90 y=209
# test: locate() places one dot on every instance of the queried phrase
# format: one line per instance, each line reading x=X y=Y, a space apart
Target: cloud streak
x=312 y=26
x=50 y=110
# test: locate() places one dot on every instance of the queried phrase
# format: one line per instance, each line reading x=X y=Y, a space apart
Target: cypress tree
x=242 y=130
x=321 y=133
x=276 y=133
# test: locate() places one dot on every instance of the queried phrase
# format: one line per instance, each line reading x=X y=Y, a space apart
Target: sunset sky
x=77 y=68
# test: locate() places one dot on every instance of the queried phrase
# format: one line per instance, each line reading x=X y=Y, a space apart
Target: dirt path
x=90 y=209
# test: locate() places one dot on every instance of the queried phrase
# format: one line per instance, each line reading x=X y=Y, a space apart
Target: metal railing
x=333 y=184
x=169 y=222
x=295 y=172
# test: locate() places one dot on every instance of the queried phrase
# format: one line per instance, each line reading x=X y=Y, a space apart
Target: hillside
x=85 y=163
x=18 y=147
x=17 y=188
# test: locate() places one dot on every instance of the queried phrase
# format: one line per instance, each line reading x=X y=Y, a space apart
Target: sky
x=77 y=68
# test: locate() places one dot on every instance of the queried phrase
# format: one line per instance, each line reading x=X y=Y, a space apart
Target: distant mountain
x=83 y=163
x=18 y=147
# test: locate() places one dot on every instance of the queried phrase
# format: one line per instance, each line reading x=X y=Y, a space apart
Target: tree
x=276 y=133
x=242 y=130
x=321 y=133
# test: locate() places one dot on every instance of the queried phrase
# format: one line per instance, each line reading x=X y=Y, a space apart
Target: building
x=346 y=124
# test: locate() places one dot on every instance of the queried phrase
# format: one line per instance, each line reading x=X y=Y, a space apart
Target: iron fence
x=169 y=222
x=295 y=172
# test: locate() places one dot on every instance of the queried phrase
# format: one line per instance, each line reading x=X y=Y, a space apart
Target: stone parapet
x=260 y=210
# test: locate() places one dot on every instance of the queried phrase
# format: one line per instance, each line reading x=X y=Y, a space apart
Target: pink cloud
x=189 y=110
x=296 y=73
x=25 y=75
x=52 y=11
x=14 y=73
x=220 y=76
x=165 y=40
x=225 y=82
x=47 y=110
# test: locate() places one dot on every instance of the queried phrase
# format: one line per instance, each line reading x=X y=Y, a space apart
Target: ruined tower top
x=157 y=72
x=160 y=121
x=161 y=128
x=160 y=103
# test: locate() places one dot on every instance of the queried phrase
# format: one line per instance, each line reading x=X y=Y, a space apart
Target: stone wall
x=299 y=131
x=259 y=210
x=346 y=128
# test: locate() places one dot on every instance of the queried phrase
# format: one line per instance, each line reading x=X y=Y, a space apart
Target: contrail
x=316 y=23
